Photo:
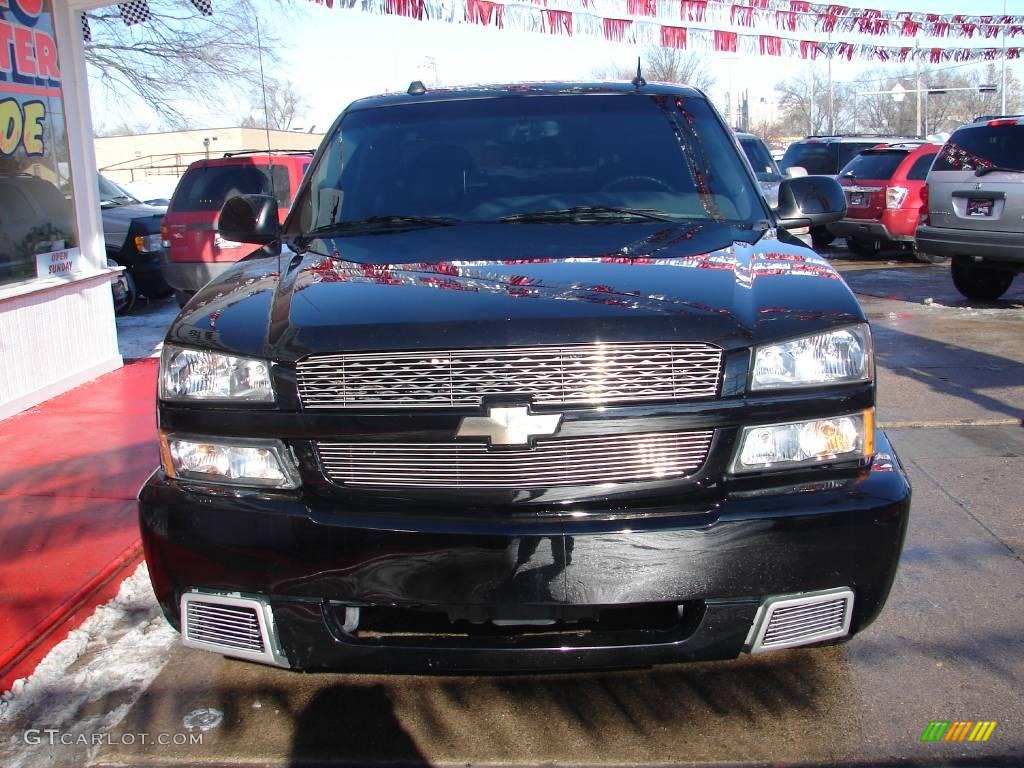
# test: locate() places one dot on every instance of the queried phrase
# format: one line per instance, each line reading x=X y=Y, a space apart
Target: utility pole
x=810 y=108
x=1002 y=80
x=831 y=93
x=917 y=57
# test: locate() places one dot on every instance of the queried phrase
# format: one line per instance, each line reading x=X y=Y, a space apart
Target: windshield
x=498 y=159
x=111 y=193
x=819 y=158
x=205 y=187
x=983 y=146
x=874 y=164
x=760 y=159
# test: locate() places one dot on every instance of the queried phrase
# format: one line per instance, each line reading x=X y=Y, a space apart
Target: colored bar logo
x=958 y=730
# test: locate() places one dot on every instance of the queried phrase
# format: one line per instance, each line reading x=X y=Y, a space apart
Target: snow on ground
x=88 y=682
x=141 y=332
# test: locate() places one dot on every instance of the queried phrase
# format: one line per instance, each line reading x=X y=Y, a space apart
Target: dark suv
x=825 y=156
x=527 y=379
x=975 y=206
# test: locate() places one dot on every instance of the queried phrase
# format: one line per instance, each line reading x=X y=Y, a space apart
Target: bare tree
x=667 y=65
x=283 y=103
x=806 y=107
x=178 y=53
x=122 y=128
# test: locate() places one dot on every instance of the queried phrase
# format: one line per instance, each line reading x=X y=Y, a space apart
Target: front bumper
x=309 y=560
x=1005 y=248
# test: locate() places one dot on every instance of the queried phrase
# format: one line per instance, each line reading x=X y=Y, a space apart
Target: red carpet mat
x=69 y=473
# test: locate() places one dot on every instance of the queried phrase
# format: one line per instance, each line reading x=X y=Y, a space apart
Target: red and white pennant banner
x=781 y=15
x=640 y=22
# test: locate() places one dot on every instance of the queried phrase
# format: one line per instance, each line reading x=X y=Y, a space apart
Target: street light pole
x=1002 y=81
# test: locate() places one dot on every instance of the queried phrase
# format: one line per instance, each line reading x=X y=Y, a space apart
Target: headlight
x=805 y=443
x=834 y=357
x=232 y=461
x=192 y=374
x=147 y=243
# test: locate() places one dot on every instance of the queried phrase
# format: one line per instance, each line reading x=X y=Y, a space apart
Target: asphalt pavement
x=948 y=646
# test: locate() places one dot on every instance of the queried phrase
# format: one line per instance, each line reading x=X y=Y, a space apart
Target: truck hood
x=498 y=285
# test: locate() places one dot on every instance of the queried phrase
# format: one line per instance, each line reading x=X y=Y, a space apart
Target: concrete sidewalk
x=69 y=473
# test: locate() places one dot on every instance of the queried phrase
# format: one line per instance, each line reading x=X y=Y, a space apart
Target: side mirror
x=810 y=201
x=249 y=219
x=795 y=172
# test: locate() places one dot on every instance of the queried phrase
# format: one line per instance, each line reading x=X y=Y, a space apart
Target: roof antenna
x=639 y=81
x=266 y=109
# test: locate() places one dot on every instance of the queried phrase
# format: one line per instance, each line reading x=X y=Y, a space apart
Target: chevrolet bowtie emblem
x=509 y=426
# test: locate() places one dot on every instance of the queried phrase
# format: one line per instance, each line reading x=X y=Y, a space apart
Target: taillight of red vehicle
x=165 y=236
x=895 y=196
x=925 y=216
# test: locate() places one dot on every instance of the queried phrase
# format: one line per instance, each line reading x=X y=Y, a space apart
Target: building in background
x=136 y=157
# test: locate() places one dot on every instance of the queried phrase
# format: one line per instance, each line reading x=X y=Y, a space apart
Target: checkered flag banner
x=205 y=7
x=86 y=30
x=134 y=12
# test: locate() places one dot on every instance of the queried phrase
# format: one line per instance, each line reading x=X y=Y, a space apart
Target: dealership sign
x=28 y=71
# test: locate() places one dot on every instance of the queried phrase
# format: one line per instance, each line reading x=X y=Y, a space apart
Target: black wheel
x=861 y=247
x=183 y=297
x=980 y=283
x=821 y=237
x=162 y=293
x=125 y=292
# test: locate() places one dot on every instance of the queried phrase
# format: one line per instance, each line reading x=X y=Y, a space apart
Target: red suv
x=193 y=253
x=883 y=196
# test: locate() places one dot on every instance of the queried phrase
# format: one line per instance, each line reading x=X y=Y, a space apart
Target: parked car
x=527 y=379
x=826 y=155
x=883 y=196
x=974 y=207
x=765 y=168
x=193 y=251
x=131 y=233
x=35 y=217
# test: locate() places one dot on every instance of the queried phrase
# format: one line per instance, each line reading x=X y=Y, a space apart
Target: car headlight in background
x=841 y=356
x=147 y=243
x=805 y=443
x=231 y=461
x=193 y=374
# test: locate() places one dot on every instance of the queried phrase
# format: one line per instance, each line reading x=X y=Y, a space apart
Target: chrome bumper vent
x=552 y=463
x=791 y=620
x=234 y=626
x=579 y=374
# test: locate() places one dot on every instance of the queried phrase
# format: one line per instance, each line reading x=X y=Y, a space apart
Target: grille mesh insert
x=228 y=626
x=552 y=463
x=585 y=373
x=805 y=623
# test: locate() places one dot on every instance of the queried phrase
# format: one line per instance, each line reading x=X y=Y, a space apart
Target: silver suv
x=974 y=209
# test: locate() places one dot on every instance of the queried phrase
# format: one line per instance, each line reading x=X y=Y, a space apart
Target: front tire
x=980 y=283
x=821 y=237
x=861 y=247
x=129 y=293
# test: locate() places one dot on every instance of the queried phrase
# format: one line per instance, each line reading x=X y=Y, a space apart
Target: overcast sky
x=334 y=56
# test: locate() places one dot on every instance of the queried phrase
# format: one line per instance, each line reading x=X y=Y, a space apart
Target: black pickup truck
x=531 y=377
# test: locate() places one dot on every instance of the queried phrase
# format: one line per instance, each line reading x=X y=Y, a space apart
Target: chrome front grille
x=576 y=374
x=552 y=463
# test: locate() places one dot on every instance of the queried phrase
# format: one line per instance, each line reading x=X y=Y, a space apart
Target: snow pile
x=89 y=681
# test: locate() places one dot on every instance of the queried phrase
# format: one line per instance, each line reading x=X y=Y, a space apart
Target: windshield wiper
x=996 y=168
x=584 y=213
x=380 y=222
